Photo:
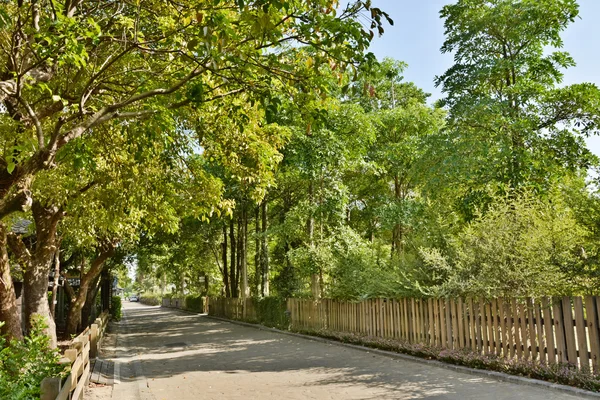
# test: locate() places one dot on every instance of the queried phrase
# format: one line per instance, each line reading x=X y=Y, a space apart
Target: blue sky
x=418 y=34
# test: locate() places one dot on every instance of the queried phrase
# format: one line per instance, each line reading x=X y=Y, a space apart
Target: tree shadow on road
x=170 y=343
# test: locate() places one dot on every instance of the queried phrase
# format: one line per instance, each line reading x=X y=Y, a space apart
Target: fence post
x=49 y=388
x=94 y=341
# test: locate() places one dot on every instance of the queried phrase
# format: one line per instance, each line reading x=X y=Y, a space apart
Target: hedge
x=194 y=303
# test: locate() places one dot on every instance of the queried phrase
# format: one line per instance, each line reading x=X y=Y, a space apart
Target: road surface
x=164 y=354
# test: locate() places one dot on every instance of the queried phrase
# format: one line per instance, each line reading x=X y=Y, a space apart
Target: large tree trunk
x=238 y=272
x=244 y=253
x=310 y=227
x=225 y=267
x=232 y=251
x=264 y=256
x=9 y=312
x=398 y=231
x=87 y=279
x=35 y=301
x=257 y=250
x=90 y=302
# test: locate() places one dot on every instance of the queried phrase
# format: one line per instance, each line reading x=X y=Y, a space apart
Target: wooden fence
x=562 y=330
x=77 y=359
x=181 y=303
x=232 y=308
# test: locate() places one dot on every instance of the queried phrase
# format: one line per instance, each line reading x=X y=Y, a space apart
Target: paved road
x=167 y=354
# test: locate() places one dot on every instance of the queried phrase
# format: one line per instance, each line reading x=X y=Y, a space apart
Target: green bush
x=150 y=299
x=24 y=364
x=194 y=303
x=115 y=307
x=271 y=311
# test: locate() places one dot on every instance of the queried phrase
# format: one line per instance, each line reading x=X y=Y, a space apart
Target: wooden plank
x=472 y=324
x=531 y=325
x=430 y=339
x=374 y=316
x=516 y=328
x=510 y=329
x=397 y=319
x=420 y=320
x=479 y=325
x=542 y=352
x=448 y=311
x=559 y=332
x=454 y=324
x=412 y=321
x=66 y=389
x=466 y=325
x=81 y=385
x=549 y=330
x=486 y=323
x=359 y=321
x=443 y=325
x=580 y=327
x=382 y=310
x=391 y=314
x=496 y=339
x=569 y=331
x=367 y=317
x=405 y=317
x=76 y=370
x=502 y=325
x=524 y=330
x=390 y=317
x=460 y=318
x=437 y=333
x=593 y=331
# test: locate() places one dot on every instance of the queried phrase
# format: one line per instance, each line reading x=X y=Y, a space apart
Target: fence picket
x=524 y=330
x=516 y=328
x=531 y=325
x=593 y=332
x=569 y=331
x=580 y=326
x=559 y=332
x=542 y=354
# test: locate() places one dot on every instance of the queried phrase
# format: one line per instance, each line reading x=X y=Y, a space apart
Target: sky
x=418 y=34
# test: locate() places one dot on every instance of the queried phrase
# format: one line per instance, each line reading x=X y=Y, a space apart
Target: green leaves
x=507 y=115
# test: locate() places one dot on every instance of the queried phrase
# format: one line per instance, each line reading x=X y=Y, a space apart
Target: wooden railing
x=564 y=330
x=77 y=361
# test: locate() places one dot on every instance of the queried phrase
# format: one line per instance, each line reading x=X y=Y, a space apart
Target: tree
x=510 y=125
x=73 y=67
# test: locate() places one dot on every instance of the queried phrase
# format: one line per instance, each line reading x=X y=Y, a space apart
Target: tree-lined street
x=167 y=354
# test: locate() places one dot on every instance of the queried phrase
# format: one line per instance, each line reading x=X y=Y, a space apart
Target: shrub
x=194 y=303
x=115 y=308
x=24 y=364
x=271 y=311
x=150 y=299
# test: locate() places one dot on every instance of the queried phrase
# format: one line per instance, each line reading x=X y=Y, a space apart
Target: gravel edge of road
x=459 y=368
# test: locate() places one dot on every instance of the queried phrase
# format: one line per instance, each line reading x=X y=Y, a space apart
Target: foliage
x=194 y=303
x=150 y=299
x=521 y=246
x=510 y=121
x=115 y=307
x=271 y=311
x=368 y=190
x=24 y=364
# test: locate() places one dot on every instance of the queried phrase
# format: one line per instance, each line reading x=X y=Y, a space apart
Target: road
x=164 y=354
